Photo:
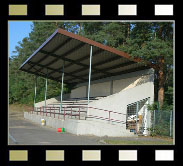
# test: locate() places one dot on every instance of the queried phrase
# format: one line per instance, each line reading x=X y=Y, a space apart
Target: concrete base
x=82 y=127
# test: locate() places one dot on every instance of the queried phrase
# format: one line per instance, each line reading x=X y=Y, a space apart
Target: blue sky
x=17 y=31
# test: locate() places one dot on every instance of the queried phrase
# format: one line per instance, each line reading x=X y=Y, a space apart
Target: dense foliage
x=152 y=42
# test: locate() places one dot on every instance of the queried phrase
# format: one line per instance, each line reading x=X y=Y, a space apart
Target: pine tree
x=153 y=42
x=21 y=84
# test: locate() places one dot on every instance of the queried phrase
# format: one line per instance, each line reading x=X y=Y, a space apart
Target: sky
x=17 y=31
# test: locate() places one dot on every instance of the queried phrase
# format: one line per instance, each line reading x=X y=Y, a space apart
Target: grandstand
x=111 y=90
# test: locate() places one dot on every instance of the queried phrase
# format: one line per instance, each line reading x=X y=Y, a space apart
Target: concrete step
x=72 y=102
x=68 y=104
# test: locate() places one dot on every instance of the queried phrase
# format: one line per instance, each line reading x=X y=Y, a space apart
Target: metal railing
x=109 y=115
x=49 y=111
x=76 y=111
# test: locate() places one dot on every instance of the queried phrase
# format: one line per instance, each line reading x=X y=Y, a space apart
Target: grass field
x=124 y=142
x=141 y=141
x=20 y=107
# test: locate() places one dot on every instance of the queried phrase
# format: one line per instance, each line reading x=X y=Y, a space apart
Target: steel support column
x=35 y=92
x=89 y=76
x=137 y=110
x=62 y=85
x=46 y=85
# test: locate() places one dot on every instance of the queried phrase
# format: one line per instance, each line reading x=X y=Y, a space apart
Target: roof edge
x=97 y=44
x=42 y=45
x=107 y=48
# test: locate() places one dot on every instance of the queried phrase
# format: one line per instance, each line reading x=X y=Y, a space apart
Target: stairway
x=73 y=106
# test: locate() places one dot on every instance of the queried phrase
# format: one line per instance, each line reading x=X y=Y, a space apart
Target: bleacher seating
x=75 y=105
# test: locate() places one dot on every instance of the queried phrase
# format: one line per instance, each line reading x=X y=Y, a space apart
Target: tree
x=21 y=84
x=109 y=33
x=154 y=43
x=150 y=41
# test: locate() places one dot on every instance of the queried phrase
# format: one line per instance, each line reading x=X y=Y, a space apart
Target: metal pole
x=137 y=110
x=89 y=76
x=64 y=113
x=45 y=90
x=35 y=92
x=79 y=112
x=61 y=93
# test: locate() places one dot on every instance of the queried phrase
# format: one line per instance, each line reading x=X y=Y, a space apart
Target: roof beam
x=64 y=55
x=67 y=53
x=55 y=70
x=41 y=75
x=120 y=73
x=113 y=58
x=75 y=62
x=36 y=69
x=110 y=68
x=86 y=57
x=123 y=72
x=120 y=65
x=53 y=51
x=100 y=63
x=81 y=59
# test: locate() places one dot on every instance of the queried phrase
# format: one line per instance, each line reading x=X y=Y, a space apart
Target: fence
x=137 y=118
x=55 y=111
x=162 y=123
x=76 y=111
x=109 y=116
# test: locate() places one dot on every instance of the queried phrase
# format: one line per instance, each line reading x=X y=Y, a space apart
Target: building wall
x=100 y=89
x=106 y=87
x=118 y=102
x=97 y=89
x=125 y=91
x=79 y=92
x=81 y=127
x=121 y=84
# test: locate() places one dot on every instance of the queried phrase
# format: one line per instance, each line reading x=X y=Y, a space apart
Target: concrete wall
x=97 y=89
x=82 y=127
x=107 y=86
x=103 y=87
x=79 y=92
x=141 y=88
x=100 y=89
x=119 y=101
x=122 y=84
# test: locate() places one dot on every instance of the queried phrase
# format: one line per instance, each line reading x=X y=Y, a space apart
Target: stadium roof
x=74 y=51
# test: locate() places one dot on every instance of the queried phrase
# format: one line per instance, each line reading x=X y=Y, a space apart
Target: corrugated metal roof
x=74 y=51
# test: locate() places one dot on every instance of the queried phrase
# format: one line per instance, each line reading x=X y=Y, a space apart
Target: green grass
x=139 y=142
x=20 y=107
